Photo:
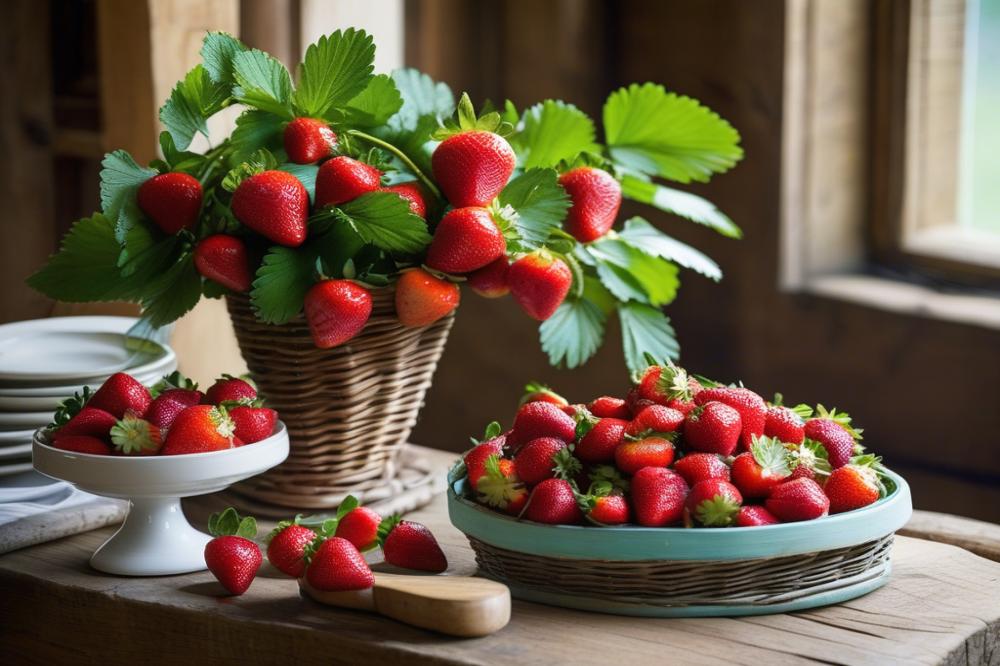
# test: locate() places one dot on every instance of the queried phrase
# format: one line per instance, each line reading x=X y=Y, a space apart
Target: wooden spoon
x=454 y=605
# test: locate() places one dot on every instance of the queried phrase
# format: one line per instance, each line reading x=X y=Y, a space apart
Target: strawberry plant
x=340 y=176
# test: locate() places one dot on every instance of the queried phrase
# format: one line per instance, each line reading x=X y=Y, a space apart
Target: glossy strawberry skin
x=83 y=444
x=336 y=310
x=851 y=487
x=465 y=239
x=652 y=451
x=714 y=502
x=635 y=402
x=275 y=204
x=552 y=502
x=837 y=441
x=476 y=458
x=798 y=499
x=472 y=167
x=412 y=546
x=658 y=496
x=90 y=422
x=360 y=527
x=754 y=515
x=308 y=140
x=610 y=510
x=695 y=467
x=655 y=418
x=286 y=551
x=753 y=480
x=752 y=409
x=253 y=424
x=422 y=299
x=165 y=408
x=539 y=284
x=715 y=428
x=599 y=444
x=199 y=429
x=223 y=258
x=540 y=419
x=784 y=424
x=234 y=561
x=490 y=281
x=337 y=565
x=413 y=194
x=534 y=463
x=609 y=407
x=171 y=200
x=344 y=179
x=230 y=389
x=121 y=393
x=596 y=197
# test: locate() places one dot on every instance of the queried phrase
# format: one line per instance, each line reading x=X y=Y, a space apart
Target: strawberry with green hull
x=253 y=422
x=539 y=283
x=275 y=204
x=553 y=502
x=308 y=140
x=475 y=460
x=171 y=200
x=286 y=547
x=230 y=389
x=120 y=394
x=133 y=436
x=596 y=197
x=658 y=496
x=536 y=460
x=751 y=407
x=758 y=471
x=465 y=239
x=784 y=424
x=336 y=565
x=540 y=419
x=809 y=460
x=500 y=486
x=223 y=259
x=610 y=509
x=853 y=486
x=336 y=311
x=413 y=194
x=650 y=451
x=713 y=503
x=695 y=467
x=491 y=281
x=232 y=556
x=360 y=526
x=713 y=427
x=536 y=392
x=601 y=441
x=199 y=429
x=422 y=298
x=835 y=434
x=344 y=179
x=798 y=499
x=410 y=545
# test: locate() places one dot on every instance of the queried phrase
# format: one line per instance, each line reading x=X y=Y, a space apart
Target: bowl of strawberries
x=684 y=498
x=154 y=446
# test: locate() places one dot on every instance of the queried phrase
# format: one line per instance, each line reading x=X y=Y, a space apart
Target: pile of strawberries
x=124 y=418
x=327 y=552
x=675 y=450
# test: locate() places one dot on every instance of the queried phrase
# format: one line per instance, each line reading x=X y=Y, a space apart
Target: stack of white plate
x=45 y=361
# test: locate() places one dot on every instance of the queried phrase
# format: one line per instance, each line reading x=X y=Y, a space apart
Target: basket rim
x=635 y=543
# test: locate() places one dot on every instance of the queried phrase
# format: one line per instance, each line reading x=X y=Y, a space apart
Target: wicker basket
x=349 y=410
x=676 y=572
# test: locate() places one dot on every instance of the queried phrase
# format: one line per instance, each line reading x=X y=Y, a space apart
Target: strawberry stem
x=403 y=158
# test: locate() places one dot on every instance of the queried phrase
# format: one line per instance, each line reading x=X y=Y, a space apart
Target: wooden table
x=941 y=606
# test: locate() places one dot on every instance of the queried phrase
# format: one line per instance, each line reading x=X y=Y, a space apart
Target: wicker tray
x=677 y=572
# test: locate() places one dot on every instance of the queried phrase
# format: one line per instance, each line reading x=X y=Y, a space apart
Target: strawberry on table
x=230 y=389
x=798 y=499
x=83 y=444
x=554 y=502
x=757 y=471
x=650 y=451
x=344 y=179
x=500 y=487
x=413 y=193
x=275 y=204
x=223 y=258
x=609 y=407
x=171 y=200
x=751 y=407
x=713 y=427
x=465 y=239
x=853 y=486
x=121 y=393
x=232 y=556
x=754 y=515
x=422 y=298
x=695 y=467
x=539 y=283
x=598 y=445
x=336 y=565
x=336 y=310
x=410 y=545
x=359 y=525
x=540 y=419
x=133 y=436
x=308 y=140
x=286 y=546
x=199 y=429
x=491 y=281
x=253 y=422
x=714 y=503
x=596 y=197
x=536 y=460
x=658 y=496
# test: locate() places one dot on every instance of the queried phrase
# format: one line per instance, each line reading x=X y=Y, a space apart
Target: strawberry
x=121 y=393
x=851 y=487
x=596 y=197
x=422 y=299
x=165 y=408
x=663 y=383
x=336 y=566
x=535 y=461
x=635 y=402
x=655 y=418
x=685 y=407
x=344 y=179
x=223 y=258
x=658 y=496
x=465 y=239
x=500 y=486
x=490 y=281
x=133 y=436
x=539 y=283
x=286 y=547
x=171 y=200
x=754 y=515
x=752 y=409
x=275 y=204
x=757 y=471
x=540 y=419
x=809 y=460
x=308 y=140
x=230 y=389
x=199 y=429
x=652 y=451
x=411 y=545
x=608 y=407
x=413 y=194
x=798 y=499
x=252 y=423
x=475 y=460
x=89 y=421
x=231 y=556
x=553 y=502
x=83 y=444
x=600 y=442
x=713 y=503
x=360 y=527
x=713 y=428
x=784 y=424
x=534 y=391
x=336 y=310
x=834 y=437
x=609 y=509
x=695 y=467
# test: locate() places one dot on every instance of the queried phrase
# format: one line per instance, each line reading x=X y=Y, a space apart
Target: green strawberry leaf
x=175 y=380
x=540 y=202
x=171 y=294
x=284 y=277
x=335 y=69
x=192 y=102
x=385 y=220
x=574 y=333
x=645 y=329
x=465 y=118
x=631 y=274
x=493 y=429
x=373 y=106
x=229 y=522
x=388 y=525
x=425 y=104
x=306 y=173
x=255 y=130
x=217 y=52
x=683 y=204
x=262 y=82
x=146 y=253
x=771 y=455
x=642 y=235
x=179 y=160
x=349 y=504
x=554 y=131
x=659 y=133
x=259 y=162
x=120 y=180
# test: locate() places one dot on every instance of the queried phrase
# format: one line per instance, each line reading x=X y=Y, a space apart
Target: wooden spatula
x=454 y=605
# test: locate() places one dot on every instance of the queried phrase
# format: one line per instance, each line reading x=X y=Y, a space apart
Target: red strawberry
x=412 y=546
x=540 y=419
x=754 y=515
x=165 y=408
x=223 y=258
x=834 y=437
x=465 y=239
x=553 y=502
x=608 y=407
x=338 y=566
x=752 y=409
x=133 y=436
x=500 y=486
x=596 y=197
x=798 y=499
x=308 y=140
x=663 y=383
x=784 y=424
x=655 y=418
x=634 y=454
x=286 y=548
x=89 y=421
x=713 y=428
x=472 y=167
x=121 y=393
x=199 y=429
x=413 y=194
x=230 y=389
x=600 y=442
x=253 y=423
x=714 y=503
x=344 y=179
x=83 y=444
x=275 y=204
x=336 y=310
x=635 y=402
x=533 y=392
x=658 y=496
x=685 y=407
x=695 y=467
x=490 y=281
x=851 y=487
x=231 y=556
x=539 y=283
x=757 y=471
x=608 y=509
x=171 y=200
x=535 y=461
x=360 y=527
x=475 y=460
x=422 y=299
x=809 y=460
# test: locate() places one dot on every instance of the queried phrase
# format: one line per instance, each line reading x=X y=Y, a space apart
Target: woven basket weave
x=349 y=410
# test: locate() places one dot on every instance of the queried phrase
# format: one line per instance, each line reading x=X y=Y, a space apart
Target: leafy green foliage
x=259 y=162
x=281 y=284
x=684 y=204
x=172 y=293
x=540 y=202
x=306 y=173
x=335 y=69
x=659 y=133
x=642 y=235
x=554 y=131
x=230 y=523
x=217 y=51
x=146 y=253
x=645 y=330
x=374 y=105
x=384 y=219
x=192 y=102
x=574 y=333
x=422 y=97
x=120 y=180
x=179 y=160
x=631 y=274
x=262 y=82
x=255 y=130
x=465 y=119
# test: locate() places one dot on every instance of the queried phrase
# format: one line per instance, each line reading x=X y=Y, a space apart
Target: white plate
x=22 y=420
x=18 y=468
x=7 y=453
x=67 y=349
x=36 y=397
x=16 y=436
x=28 y=486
